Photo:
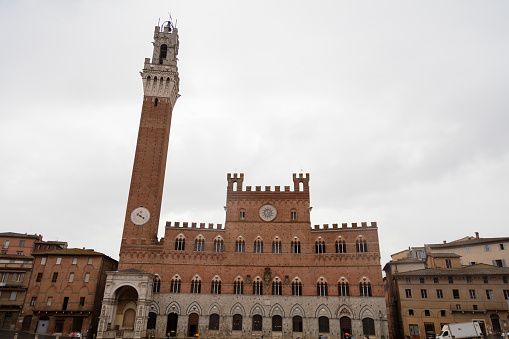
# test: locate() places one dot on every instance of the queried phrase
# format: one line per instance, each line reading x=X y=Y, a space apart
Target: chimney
x=445 y=242
x=477 y=235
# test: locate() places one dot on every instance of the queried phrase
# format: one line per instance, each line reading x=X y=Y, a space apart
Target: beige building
x=476 y=250
x=425 y=294
x=14 y=277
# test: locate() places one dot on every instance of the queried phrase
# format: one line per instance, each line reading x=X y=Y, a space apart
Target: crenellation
x=344 y=225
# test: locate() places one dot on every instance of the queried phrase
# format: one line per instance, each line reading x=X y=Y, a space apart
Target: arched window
x=218 y=244
x=175 y=284
x=343 y=288
x=295 y=246
x=258 y=246
x=277 y=288
x=242 y=215
x=196 y=285
x=320 y=246
x=199 y=244
x=180 y=243
x=296 y=287
x=156 y=101
x=323 y=325
x=361 y=245
x=238 y=286
x=257 y=322
x=214 y=322
x=293 y=215
x=322 y=289
x=163 y=53
x=215 y=286
x=368 y=326
x=276 y=245
x=365 y=288
x=340 y=246
x=237 y=322
x=156 y=284
x=258 y=286
x=277 y=323
x=240 y=245
x=297 y=323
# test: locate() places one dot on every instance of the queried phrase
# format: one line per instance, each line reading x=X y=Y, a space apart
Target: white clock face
x=140 y=216
x=267 y=212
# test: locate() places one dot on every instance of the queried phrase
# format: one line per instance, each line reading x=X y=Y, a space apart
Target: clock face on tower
x=140 y=216
x=267 y=212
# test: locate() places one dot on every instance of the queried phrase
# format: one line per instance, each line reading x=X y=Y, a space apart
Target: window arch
x=156 y=284
x=277 y=323
x=296 y=286
x=295 y=245
x=237 y=322
x=340 y=245
x=180 y=243
x=361 y=245
x=293 y=214
x=368 y=326
x=240 y=245
x=242 y=214
x=276 y=245
x=175 y=284
x=258 y=286
x=238 y=286
x=257 y=322
x=218 y=244
x=214 y=322
x=196 y=285
x=277 y=286
x=343 y=287
x=322 y=289
x=258 y=245
x=319 y=246
x=199 y=243
x=365 y=288
x=215 y=285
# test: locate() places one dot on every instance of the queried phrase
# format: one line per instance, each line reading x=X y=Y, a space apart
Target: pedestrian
x=72 y=335
x=78 y=335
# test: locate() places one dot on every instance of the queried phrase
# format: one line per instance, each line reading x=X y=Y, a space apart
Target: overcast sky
x=399 y=111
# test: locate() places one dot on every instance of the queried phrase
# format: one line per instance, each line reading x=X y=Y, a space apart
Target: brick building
x=267 y=272
x=423 y=294
x=18 y=243
x=65 y=292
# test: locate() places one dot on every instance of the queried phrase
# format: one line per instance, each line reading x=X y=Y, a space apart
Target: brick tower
x=161 y=86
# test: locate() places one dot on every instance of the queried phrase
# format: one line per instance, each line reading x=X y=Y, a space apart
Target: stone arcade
x=268 y=272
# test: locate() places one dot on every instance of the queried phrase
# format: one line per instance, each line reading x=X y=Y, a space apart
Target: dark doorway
x=193 y=324
x=345 y=324
x=495 y=322
x=27 y=321
x=430 y=329
x=152 y=318
x=171 y=328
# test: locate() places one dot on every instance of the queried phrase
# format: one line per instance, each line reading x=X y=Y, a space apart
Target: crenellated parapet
x=201 y=226
x=236 y=180
x=343 y=226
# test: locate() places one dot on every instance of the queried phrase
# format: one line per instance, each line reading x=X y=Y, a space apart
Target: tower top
x=160 y=74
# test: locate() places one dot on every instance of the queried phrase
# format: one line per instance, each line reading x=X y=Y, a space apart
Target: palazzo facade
x=266 y=273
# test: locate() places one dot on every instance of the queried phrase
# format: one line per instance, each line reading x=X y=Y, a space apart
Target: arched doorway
x=127 y=301
x=192 y=327
x=171 y=327
x=495 y=323
x=27 y=321
x=151 y=323
x=345 y=324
